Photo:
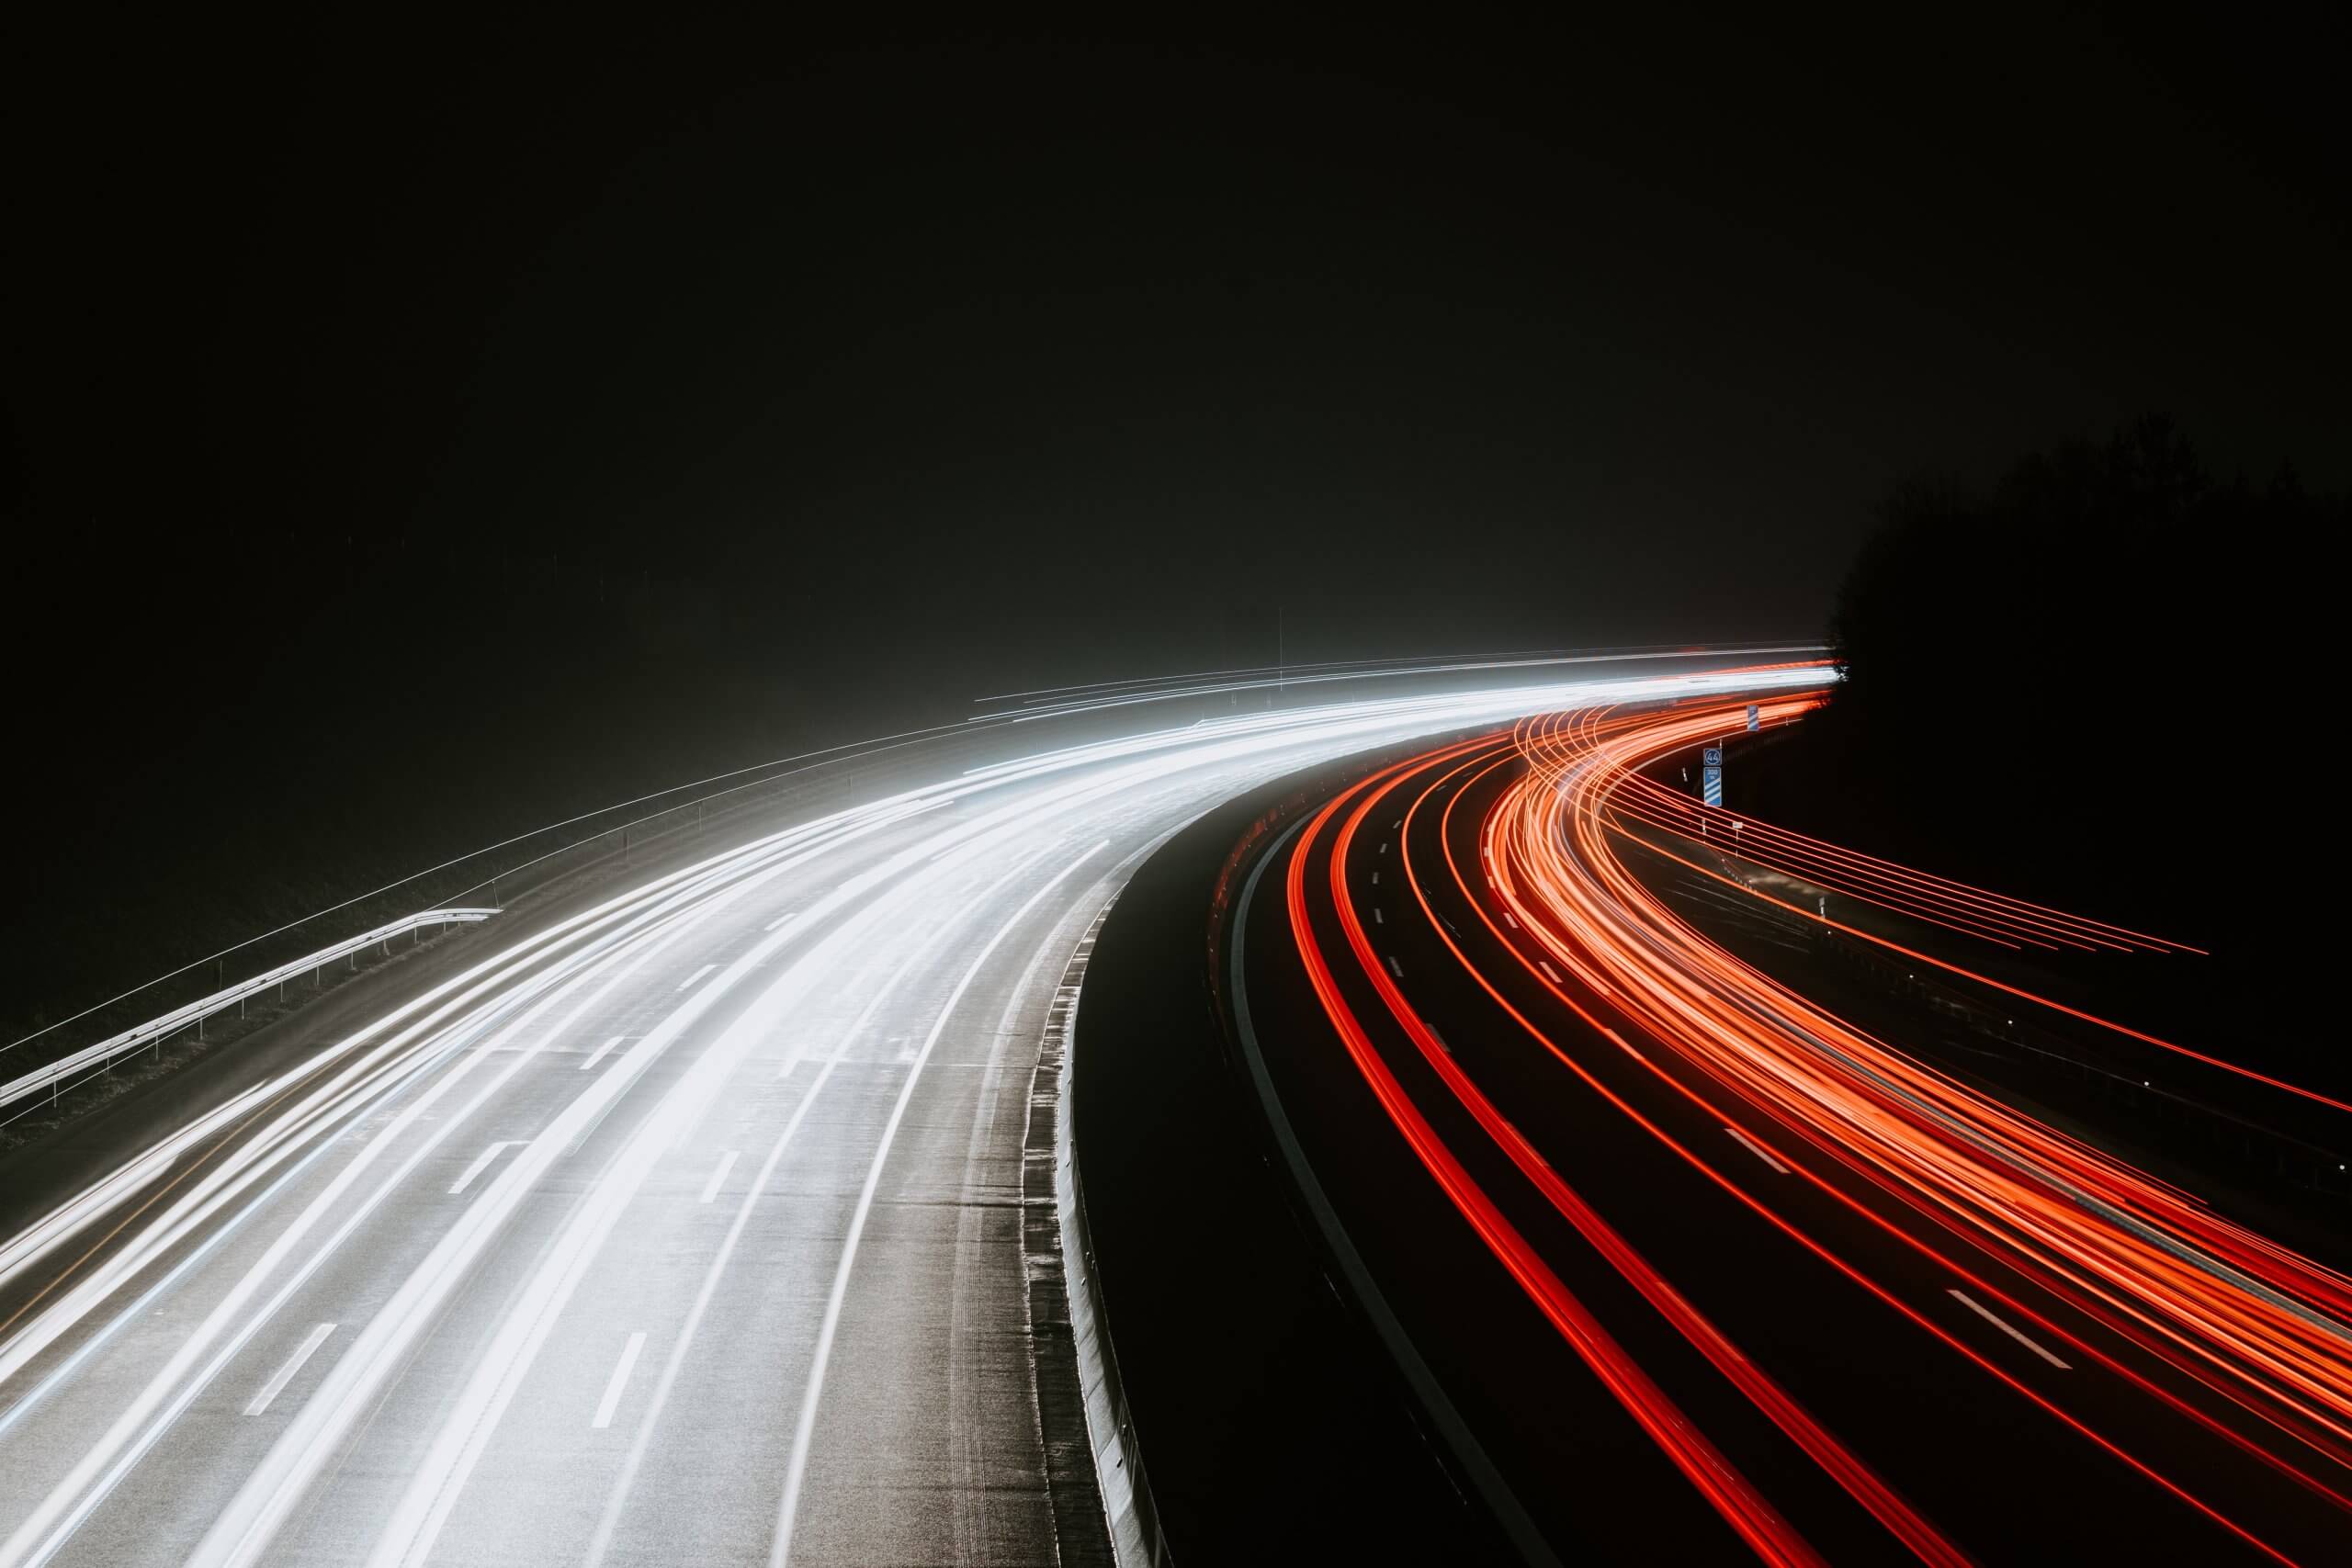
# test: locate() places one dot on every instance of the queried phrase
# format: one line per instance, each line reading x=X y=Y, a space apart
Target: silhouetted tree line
x=2084 y=684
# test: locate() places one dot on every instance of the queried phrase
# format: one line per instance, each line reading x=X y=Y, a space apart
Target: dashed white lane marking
x=1964 y=1299
x=779 y=920
x=1375 y=879
x=696 y=978
x=718 y=1177
x=1378 y=918
x=481 y=1162
x=612 y=1399
x=1514 y=924
x=1395 y=968
x=598 y=1054
x=1549 y=973
x=1621 y=1040
x=796 y=1467
x=285 y=1374
x=1752 y=1147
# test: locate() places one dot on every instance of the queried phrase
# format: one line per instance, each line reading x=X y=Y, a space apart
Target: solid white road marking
x=611 y=1402
x=618 y=1499
x=137 y=1430
x=796 y=1465
x=302 y=1353
x=1964 y=1299
x=255 y=1512
x=1752 y=1147
x=710 y=1188
x=437 y=1481
x=241 y=1531
x=598 y=1054
x=694 y=978
x=481 y=1162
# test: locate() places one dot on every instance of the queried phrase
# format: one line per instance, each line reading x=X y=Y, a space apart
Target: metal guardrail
x=545 y=854
x=53 y=1076
x=2138 y=1086
x=2146 y=1086
x=492 y=875
x=524 y=861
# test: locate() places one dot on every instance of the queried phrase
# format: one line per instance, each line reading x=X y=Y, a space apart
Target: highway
x=678 y=1225
x=1776 y=1288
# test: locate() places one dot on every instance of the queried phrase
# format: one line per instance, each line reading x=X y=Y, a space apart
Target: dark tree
x=2093 y=684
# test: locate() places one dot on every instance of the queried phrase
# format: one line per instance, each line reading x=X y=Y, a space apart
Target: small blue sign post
x=1755 y=718
x=1710 y=775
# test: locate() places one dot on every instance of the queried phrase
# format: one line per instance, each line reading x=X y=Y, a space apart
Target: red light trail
x=2100 y=1266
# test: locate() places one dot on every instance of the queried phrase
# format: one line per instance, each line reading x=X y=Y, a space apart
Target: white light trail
x=229 y=1223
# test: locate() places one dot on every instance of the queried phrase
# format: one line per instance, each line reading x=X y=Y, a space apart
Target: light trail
x=474 y=1328
x=2274 y=1320
x=2237 y=1338
x=1715 y=1477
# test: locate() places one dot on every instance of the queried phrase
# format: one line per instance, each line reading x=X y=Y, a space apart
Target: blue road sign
x=1711 y=785
x=1712 y=757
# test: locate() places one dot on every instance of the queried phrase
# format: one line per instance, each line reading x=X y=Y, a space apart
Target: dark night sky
x=583 y=407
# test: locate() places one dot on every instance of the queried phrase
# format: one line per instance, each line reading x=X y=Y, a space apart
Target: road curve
x=684 y=1227
x=1864 y=1311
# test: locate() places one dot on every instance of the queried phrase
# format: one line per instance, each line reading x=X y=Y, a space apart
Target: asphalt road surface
x=1713 y=1275
x=680 y=1226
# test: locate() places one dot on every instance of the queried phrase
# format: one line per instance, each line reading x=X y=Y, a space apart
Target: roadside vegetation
x=2088 y=684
